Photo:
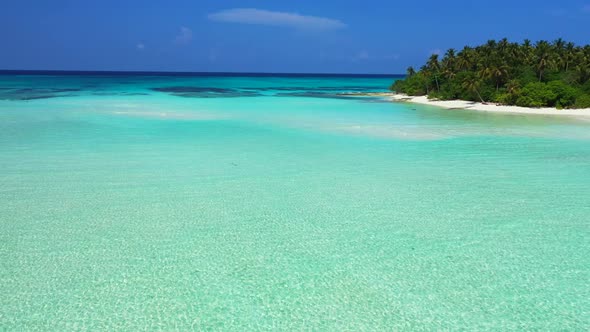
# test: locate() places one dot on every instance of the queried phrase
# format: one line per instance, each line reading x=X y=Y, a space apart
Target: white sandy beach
x=469 y=105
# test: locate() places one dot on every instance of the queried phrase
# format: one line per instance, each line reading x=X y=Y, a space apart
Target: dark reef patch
x=34 y=93
x=120 y=94
x=205 y=92
x=192 y=89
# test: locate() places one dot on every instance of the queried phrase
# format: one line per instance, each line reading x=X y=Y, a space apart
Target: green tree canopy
x=554 y=74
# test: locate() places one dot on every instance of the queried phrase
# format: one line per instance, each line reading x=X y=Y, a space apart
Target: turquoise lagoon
x=261 y=202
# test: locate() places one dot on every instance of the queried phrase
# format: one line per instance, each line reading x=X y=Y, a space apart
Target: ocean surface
x=268 y=202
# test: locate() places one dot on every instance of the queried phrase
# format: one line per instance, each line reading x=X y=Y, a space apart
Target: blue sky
x=371 y=36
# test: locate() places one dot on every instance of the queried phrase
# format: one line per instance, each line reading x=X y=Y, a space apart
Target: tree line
x=543 y=74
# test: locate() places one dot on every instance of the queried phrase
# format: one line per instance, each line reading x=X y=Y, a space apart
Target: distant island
x=545 y=74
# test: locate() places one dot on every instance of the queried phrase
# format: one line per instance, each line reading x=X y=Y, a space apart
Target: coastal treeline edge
x=543 y=74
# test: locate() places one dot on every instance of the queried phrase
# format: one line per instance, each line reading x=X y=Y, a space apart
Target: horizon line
x=187 y=73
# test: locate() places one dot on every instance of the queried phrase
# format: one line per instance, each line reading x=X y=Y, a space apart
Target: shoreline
x=480 y=107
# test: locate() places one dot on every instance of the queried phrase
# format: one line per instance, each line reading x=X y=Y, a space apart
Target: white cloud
x=140 y=46
x=280 y=19
x=184 y=37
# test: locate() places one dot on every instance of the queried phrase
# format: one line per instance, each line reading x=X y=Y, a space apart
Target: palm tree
x=465 y=58
x=543 y=58
x=527 y=51
x=527 y=43
x=491 y=44
x=583 y=69
x=503 y=47
x=425 y=73
x=499 y=73
x=450 y=53
x=559 y=47
x=448 y=72
x=411 y=71
x=472 y=84
x=448 y=64
x=513 y=55
x=512 y=87
x=434 y=67
x=504 y=65
x=485 y=70
x=569 y=54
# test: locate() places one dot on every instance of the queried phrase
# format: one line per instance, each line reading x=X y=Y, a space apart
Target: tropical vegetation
x=544 y=74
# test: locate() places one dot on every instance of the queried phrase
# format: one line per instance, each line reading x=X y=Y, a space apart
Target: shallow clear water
x=275 y=203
